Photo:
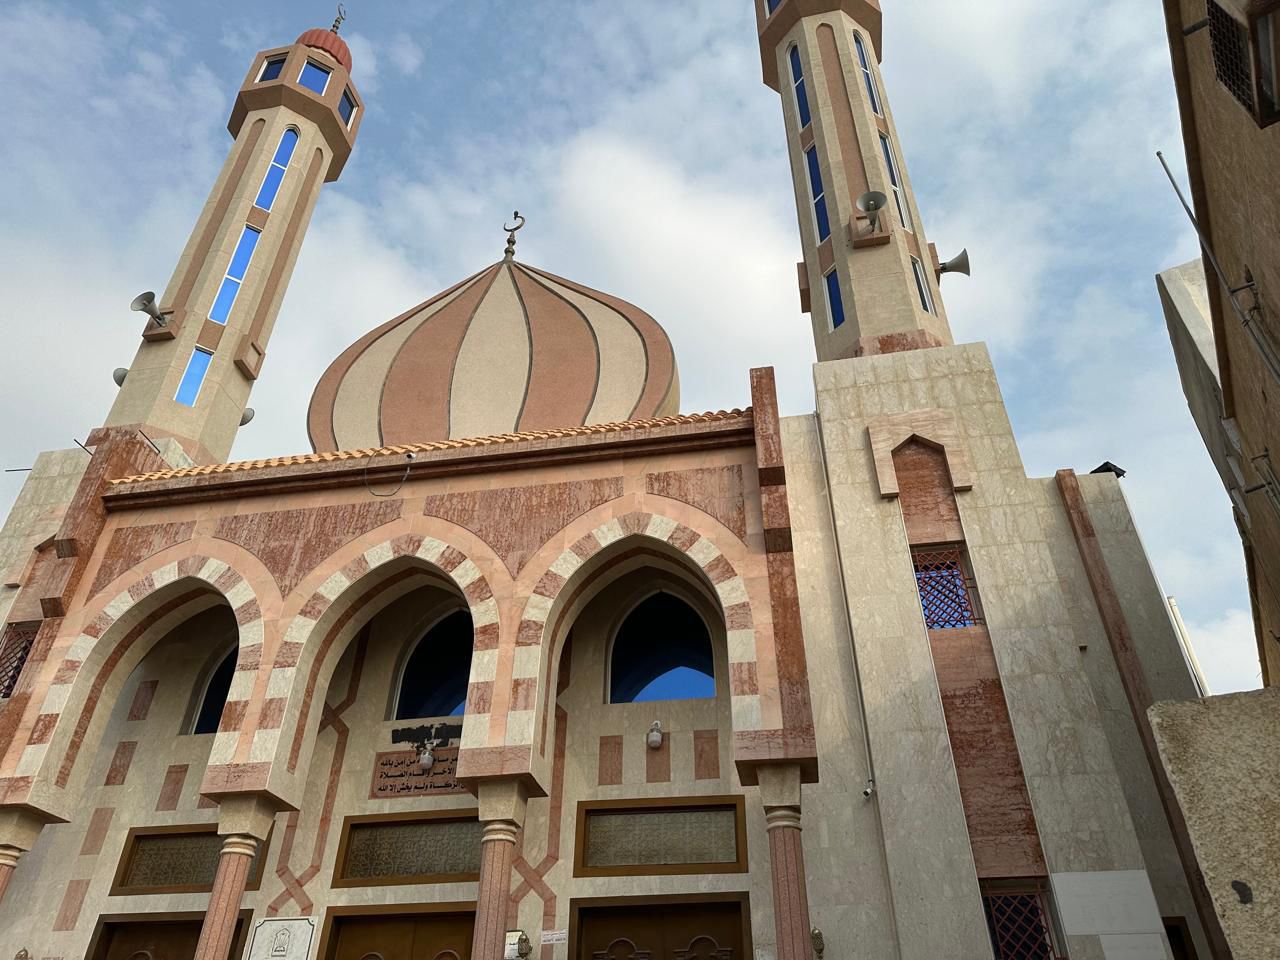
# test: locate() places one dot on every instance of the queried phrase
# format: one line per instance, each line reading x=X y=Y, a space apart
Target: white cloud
x=364 y=62
x=405 y=55
x=1227 y=651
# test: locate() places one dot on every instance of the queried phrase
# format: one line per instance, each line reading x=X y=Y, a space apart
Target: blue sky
x=650 y=161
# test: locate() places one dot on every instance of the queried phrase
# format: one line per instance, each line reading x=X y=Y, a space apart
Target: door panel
x=426 y=937
x=690 y=931
x=156 y=940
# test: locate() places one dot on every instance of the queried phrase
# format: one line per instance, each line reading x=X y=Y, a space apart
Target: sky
x=650 y=161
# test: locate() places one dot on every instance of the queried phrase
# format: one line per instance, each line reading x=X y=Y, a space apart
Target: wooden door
x=684 y=931
x=400 y=937
x=156 y=940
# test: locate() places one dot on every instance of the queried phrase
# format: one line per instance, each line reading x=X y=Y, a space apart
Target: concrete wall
x=1220 y=756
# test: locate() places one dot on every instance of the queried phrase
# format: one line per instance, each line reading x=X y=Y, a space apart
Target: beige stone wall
x=1220 y=755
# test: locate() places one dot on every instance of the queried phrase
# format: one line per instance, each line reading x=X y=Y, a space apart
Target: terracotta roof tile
x=504 y=438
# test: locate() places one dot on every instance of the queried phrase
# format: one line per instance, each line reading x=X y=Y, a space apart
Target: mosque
x=523 y=661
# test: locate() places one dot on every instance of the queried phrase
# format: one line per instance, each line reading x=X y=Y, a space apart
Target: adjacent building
x=521 y=660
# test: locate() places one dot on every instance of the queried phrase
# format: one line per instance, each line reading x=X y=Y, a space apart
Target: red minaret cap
x=330 y=43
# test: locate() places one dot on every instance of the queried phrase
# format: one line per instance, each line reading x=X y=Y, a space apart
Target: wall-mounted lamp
x=819 y=943
x=654 y=736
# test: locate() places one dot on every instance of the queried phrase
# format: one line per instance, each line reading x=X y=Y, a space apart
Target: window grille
x=14 y=648
x=948 y=594
x=1231 y=60
x=1019 y=925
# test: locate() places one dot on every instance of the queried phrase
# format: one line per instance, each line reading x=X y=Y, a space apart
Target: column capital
x=500 y=831
x=20 y=827
x=241 y=844
x=506 y=800
x=247 y=815
x=780 y=785
x=782 y=818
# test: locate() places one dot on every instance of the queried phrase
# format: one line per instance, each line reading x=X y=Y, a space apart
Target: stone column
x=243 y=822
x=502 y=810
x=19 y=829
x=219 y=928
x=780 y=794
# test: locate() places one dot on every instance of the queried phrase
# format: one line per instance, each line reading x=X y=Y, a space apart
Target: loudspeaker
x=957 y=264
x=146 y=303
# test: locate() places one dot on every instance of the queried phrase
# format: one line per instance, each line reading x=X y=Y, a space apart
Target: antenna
x=957 y=264
x=871 y=204
x=146 y=303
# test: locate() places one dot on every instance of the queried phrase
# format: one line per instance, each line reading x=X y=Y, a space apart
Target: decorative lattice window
x=948 y=594
x=409 y=848
x=1231 y=60
x=178 y=859
x=660 y=836
x=1020 y=925
x=15 y=645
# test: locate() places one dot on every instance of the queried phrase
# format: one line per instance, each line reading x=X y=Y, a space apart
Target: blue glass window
x=819 y=198
x=872 y=94
x=435 y=678
x=271 y=69
x=904 y=213
x=834 y=299
x=772 y=5
x=346 y=107
x=275 y=172
x=235 y=274
x=192 y=379
x=314 y=77
x=797 y=81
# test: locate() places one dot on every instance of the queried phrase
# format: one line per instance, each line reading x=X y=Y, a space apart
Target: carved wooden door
x=156 y=940
x=428 y=937
x=687 y=931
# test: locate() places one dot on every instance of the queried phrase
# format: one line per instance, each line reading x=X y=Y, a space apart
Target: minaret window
x=819 y=196
x=904 y=212
x=772 y=5
x=235 y=275
x=922 y=286
x=835 y=301
x=275 y=172
x=347 y=107
x=271 y=69
x=797 y=82
x=867 y=76
x=193 y=377
x=314 y=77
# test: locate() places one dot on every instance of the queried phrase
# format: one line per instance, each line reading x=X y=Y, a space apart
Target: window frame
x=771 y=7
x=873 y=89
x=119 y=888
x=275 y=164
x=280 y=59
x=968 y=581
x=211 y=671
x=347 y=96
x=643 y=805
x=922 y=286
x=894 y=171
x=827 y=286
x=328 y=75
x=431 y=622
x=228 y=275
x=817 y=193
x=799 y=89
x=341 y=881
x=204 y=375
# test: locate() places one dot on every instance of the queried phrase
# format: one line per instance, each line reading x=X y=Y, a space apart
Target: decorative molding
x=938 y=427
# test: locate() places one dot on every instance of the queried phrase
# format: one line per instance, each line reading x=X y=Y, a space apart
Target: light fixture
x=427 y=755
x=654 y=737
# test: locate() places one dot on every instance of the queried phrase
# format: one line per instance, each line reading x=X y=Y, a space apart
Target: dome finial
x=337 y=21
x=511 y=235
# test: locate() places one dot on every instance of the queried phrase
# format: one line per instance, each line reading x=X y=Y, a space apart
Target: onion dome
x=510 y=350
x=330 y=43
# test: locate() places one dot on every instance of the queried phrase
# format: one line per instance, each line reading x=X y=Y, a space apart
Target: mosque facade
x=522 y=661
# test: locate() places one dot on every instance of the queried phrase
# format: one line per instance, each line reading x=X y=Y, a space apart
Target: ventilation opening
x=948 y=594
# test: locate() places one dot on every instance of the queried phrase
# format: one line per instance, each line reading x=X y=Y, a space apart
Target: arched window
x=276 y=171
x=867 y=77
x=662 y=652
x=434 y=681
x=797 y=82
x=215 y=695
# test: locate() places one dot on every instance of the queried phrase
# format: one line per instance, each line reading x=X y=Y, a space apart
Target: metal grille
x=1231 y=61
x=947 y=594
x=14 y=647
x=1019 y=926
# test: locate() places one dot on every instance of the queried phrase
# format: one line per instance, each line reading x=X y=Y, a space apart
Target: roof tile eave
x=538 y=436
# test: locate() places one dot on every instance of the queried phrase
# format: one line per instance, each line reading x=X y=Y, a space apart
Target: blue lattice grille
x=947 y=593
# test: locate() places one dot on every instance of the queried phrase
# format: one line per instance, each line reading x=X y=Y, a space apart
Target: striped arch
x=334 y=608
x=80 y=672
x=730 y=588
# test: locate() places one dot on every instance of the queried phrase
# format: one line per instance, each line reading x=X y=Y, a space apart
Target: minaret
x=869 y=289
x=294 y=121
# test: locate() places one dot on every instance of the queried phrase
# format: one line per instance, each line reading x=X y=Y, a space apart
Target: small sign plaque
x=400 y=774
x=555 y=936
